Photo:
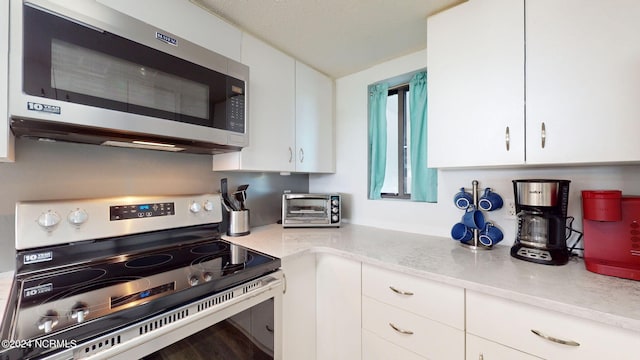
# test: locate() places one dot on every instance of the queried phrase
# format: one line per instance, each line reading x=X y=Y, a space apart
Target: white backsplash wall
x=45 y=171
x=435 y=219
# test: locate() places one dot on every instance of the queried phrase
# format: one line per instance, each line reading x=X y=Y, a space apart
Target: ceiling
x=337 y=37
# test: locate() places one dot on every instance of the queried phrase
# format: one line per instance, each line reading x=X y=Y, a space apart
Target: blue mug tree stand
x=474 y=243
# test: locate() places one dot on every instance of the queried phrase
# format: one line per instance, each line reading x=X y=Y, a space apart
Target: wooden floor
x=220 y=342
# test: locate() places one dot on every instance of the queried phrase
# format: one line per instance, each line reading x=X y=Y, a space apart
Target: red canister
x=602 y=205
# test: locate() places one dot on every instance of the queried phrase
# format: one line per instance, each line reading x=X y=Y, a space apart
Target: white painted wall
x=434 y=219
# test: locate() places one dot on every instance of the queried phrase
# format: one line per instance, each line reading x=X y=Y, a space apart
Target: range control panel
x=139 y=211
x=47 y=223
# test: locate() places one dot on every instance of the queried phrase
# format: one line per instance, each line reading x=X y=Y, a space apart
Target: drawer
x=377 y=348
x=430 y=299
x=511 y=323
x=481 y=349
x=428 y=338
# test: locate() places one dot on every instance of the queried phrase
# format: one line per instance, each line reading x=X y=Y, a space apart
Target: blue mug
x=490 y=201
x=463 y=199
x=473 y=218
x=460 y=232
x=490 y=235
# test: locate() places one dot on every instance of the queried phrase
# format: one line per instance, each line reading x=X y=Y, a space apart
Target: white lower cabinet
x=481 y=349
x=545 y=333
x=405 y=316
x=424 y=337
x=299 y=308
x=338 y=308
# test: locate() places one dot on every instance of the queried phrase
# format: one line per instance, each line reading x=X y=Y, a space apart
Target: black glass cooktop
x=180 y=266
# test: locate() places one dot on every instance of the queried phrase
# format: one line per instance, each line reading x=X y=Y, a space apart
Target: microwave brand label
x=37 y=257
x=37 y=290
x=51 y=109
x=165 y=38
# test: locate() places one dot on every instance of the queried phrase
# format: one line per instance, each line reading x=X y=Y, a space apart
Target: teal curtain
x=377 y=138
x=424 y=180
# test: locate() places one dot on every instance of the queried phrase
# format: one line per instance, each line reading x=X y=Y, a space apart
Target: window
x=398 y=140
x=397 y=180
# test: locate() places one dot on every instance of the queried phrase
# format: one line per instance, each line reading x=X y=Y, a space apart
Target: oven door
x=244 y=323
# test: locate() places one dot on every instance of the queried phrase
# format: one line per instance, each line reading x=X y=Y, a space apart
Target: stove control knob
x=77 y=217
x=79 y=311
x=48 y=321
x=207 y=276
x=193 y=280
x=208 y=205
x=49 y=220
x=334 y=218
x=335 y=210
x=195 y=207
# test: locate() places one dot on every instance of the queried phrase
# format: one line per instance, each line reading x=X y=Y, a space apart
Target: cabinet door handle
x=401 y=331
x=543 y=134
x=507 y=138
x=290 y=154
x=301 y=155
x=555 y=340
x=401 y=292
x=269 y=329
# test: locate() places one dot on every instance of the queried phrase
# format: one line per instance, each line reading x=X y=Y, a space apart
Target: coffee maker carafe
x=541 y=208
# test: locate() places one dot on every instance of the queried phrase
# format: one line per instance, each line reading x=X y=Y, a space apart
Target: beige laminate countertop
x=569 y=289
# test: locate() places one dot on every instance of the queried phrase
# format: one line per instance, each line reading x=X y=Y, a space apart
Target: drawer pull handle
x=555 y=340
x=401 y=292
x=401 y=331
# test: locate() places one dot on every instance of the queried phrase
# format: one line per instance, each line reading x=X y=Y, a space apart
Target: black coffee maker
x=541 y=208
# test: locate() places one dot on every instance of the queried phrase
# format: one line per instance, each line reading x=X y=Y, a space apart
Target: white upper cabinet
x=314 y=121
x=6 y=139
x=290 y=115
x=475 y=70
x=271 y=111
x=583 y=81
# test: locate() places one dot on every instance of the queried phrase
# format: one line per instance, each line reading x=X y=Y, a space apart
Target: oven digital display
x=140 y=211
x=123 y=300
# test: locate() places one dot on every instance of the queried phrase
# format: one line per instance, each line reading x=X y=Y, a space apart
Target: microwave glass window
x=85 y=71
x=307 y=208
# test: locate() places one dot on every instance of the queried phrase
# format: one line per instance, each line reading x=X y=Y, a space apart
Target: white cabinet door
x=290 y=115
x=545 y=333
x=423 y=336
x=475 y=70
x=314 y=121
x=271 y=111
x=299 y=308
x=582 y=83
x=338 y=308
x=6 y=140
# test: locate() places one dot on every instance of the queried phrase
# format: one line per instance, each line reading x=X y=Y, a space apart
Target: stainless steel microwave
x=311 y=210
x=91 y=74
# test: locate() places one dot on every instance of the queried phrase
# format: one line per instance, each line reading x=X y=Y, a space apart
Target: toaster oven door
x=311 y=211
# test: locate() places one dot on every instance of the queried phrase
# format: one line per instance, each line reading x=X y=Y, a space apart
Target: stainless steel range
x=137 y=276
